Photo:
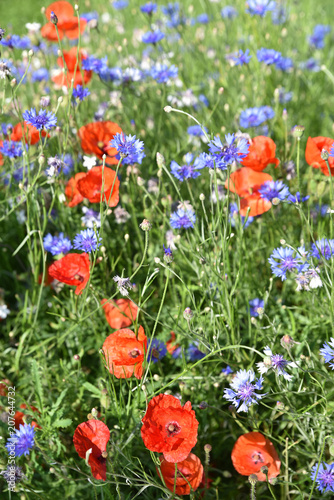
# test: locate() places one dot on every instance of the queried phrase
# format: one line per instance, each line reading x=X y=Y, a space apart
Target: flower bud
x=76 y=357
x=202 y=196
x=253 y=479
x=94 y=412
x=324 y=154
x=264 y=469
x=145 y=225
x=168 y=109
x=161 y=162
x=54 y=18
x=298 y=131
x=188 y=314
x=203 y=405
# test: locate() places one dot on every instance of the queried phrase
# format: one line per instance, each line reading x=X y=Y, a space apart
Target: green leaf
x=36 y=378
x=63 y=422
x=92 y=388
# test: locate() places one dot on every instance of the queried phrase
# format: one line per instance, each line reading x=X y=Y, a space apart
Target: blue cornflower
x=254 y=117
x=287 y=260
x=157 y=350
x=68 y=163
x=92 y=63
x=242 y=393
x=228 y=12
x=227 y=371
x=311 y=64
x=284 y=64
x=203 y=18
x=120 y=4
x=284 y=96
x=322 y=210
x=149 y=8
x=57 y=244
x=80 y=93
x=153 y=36
x=22 y=441
x=268 y=56
x=204 y=100
x=327 y=352
x=182 y=219
x=171 y=9
x=230 y=151
x=209 y=161
x=162 y=73
x=130 y=149
x=187 y=171
x=331 y=151
x=168 y=255
x=87 y=241
x=296 y=198
x=276 y=362
x=274 y=191
x=254 y=305
x=235 y=218
x=89 y=16
x=196 y=130
x=279 y=15
x=42 y=119
x=39 y=75
x=11 y=149
x=194 y=354
x=318 y=36
x=260 y=7
x=324 y=248
x=240 y=58
x=16 y=42
x=325 y=476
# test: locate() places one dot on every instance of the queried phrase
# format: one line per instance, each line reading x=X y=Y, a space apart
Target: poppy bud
x=252 y=479
x=53 y=18
x=188 y=314
x=145 y=225
x=207 y=448
x=298 y=131
x=264 y=469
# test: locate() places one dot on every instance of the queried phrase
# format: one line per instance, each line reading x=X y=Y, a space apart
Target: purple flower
x=162 y=73
x=80 y=93
x=55 y=165
x=311 y=64
x=274 y=191
x=120 y=4
x=130 y=149
x=324 y=248
x=57 y=244
x=11 y=149
x=87 y=241
x=284 y=64
x=228 y=12
x=39 y=75
x=91 y=218
x=275 y=362
x=194 y=353
x=279 y=15
x=209 y=161
x=233 y=150
x=227 y=371
x=240 y=58
x=149 y=8
x=153 y=36
x=254 y=117
x=182 y=219
x=327 y=352
x=260 y=7
x=22 y=441
x=242 y=393
x=16 y=42
x=297 y=198
x=284 y=259
x=156 y=351
x=324 y=477
x=317 y=39
x=42 y=119
x=187 y=171
x=196 y=130
x=268 y=56
x=235 y=218
x=254 y=306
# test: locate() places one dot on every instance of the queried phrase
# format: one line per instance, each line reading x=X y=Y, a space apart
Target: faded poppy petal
x=262 y=151
x=255 y=203
x=188 y=477
x=90 y=186
x=245 y=181
x=119 y=313
x=74 y=197
x=252 y=451
x=314 y=146
x=73 y=269
x=93 y=435
x=95 y=138
x=169 y=428
x=125 y=352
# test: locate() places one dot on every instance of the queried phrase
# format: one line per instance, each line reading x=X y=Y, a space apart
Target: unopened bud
x=76 y=357
x=202 y=196
x=94 y=412
x=280 y=405
x=76 y=7
x=145 y=225
x=264 y=469
x=168 y=109
x=188 y=314
x=282 y=242
x=324 y=154
x=30 y=53
x=253 y=479
x=221 y=90
x=126 y=237
x=161 y=162
x=13 y=82
x=104 y=454
x=298 y=131
x=60 y=99
x=275 y=201
x=207 y=448
x=54 y=18
x=287 y=341
x=41 y=160
x=285 y=115
x=203 y=405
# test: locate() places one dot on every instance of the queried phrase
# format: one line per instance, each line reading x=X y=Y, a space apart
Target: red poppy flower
x=170 y=343
x=95 y=138
x=120 y=313
x=68 y=24
x=314 y=146
x=19 y=415
x=79 y=76
x=169 y=428
x=71 y=190
x=251 y=451
x=188 y=477
x=1 y=157
x=262 y=152
x=30 y=133
x=73 y=269
x=90 y=185
x=125 y=352
x=93 y=435
x=255 y=204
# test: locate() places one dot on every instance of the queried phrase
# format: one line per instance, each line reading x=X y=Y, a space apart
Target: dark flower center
x=78 y=277
x=257 y=458
x=172 y=429
x=134 y=353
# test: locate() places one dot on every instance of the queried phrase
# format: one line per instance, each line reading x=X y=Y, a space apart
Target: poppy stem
x=143 y=258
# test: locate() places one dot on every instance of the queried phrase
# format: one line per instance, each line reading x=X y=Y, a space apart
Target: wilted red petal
x=169 y=428
x=119 y=313
x=90 y=186
x=125 y=352
x=189 y=474
x=252 y=451
x=93 y=435
x=262 y=153
x=73 y=269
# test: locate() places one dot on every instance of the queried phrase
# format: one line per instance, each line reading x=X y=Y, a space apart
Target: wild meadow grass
x=210 y=319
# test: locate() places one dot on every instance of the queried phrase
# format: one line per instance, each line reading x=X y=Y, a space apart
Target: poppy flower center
x=172 y=428
x=78 y=277
x=134 y=353
x=257 y=458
